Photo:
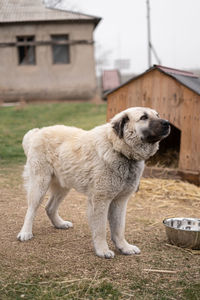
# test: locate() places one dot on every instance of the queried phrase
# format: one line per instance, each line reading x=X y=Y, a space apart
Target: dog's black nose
x=165 y=123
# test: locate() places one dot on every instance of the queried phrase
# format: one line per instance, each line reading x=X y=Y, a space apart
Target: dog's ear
x=118 y=126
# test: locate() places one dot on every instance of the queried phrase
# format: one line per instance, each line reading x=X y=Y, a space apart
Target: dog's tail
x=27 y=139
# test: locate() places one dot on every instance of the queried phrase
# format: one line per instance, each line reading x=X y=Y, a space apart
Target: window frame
x=27 y=45
x=64 y=43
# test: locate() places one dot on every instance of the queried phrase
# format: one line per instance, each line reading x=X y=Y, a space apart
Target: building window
x=60 y=49
x=26 y=50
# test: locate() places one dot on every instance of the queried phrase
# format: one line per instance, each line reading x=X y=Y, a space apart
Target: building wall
x=46 y=80
x=173 y=101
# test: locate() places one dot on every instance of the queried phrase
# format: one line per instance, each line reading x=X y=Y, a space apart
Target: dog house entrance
x=169 y=150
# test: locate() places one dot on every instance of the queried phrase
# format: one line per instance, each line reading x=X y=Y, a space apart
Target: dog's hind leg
x=116 y=217
x=37 y=186
x=57 y=195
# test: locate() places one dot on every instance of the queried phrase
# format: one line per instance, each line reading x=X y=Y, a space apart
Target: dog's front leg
x=97 y=215
x=117 y=217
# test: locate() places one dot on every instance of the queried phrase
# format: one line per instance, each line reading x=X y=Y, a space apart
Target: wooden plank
x=176 y=174
x=117 y=102
x=189 y=158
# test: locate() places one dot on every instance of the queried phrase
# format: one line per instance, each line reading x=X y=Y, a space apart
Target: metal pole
x=148 y=34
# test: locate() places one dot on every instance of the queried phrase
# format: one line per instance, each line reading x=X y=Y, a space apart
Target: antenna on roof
x=150 y=47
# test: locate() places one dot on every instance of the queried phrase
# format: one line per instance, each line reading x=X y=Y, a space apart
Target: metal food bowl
x=183 y=232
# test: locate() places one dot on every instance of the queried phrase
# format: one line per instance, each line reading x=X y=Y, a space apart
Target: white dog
x=105 y=163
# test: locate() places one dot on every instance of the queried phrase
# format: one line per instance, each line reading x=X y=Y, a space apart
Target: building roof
x=110 y=79
x=188 y=79
x=12 y=11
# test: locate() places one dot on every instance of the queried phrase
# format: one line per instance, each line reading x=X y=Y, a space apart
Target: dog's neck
x=121 y=147
x=139 y=152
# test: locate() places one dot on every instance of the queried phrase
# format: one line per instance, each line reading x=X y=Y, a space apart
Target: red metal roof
x=175 y=71
x=110 y=79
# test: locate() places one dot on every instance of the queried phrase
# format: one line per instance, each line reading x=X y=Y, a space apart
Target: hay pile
x=173 y=196
x=171 y=189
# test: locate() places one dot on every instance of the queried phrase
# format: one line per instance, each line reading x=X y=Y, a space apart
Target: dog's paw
x=24 y=236
x=64 y=225
x=129 y=250
x=105 y=253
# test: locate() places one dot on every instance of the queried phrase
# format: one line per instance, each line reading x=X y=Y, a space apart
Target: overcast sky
x=122 y=33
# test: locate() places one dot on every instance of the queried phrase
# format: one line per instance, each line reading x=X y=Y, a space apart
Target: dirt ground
x=69 y=253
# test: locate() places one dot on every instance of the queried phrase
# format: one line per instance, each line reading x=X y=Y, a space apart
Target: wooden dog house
x=175 y=94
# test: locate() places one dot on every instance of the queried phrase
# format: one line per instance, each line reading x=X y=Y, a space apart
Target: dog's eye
x=144 y=117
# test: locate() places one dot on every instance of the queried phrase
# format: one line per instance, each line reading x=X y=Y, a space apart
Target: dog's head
x=141 y=127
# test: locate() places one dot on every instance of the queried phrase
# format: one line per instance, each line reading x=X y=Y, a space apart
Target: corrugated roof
x=188 y=79
x=12 y=11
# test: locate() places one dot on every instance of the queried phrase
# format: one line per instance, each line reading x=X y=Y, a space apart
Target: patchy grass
x=47 y=289
x=17 y=120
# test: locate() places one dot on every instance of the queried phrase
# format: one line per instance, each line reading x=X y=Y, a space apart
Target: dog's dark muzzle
x=165 y=127
x=157 y=130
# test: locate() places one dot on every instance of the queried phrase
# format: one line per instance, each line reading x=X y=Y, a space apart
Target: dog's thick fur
x=105 y=163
